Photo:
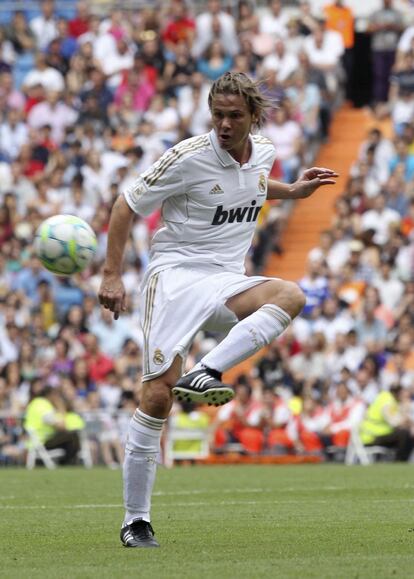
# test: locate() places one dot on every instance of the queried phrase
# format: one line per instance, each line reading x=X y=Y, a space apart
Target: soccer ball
x=65 y=244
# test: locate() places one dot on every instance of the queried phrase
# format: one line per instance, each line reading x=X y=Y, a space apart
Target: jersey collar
x=225 y=158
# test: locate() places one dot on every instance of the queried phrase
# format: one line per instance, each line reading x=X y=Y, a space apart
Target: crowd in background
x=90 y=101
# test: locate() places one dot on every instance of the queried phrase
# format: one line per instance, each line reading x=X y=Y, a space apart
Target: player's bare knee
x=298 y=299
x=156 y=398
x=290 y=298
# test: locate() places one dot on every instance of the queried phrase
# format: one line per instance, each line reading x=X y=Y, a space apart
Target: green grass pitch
x=213 y=522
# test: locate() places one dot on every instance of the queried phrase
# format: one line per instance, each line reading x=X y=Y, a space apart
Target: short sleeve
x=161 y=181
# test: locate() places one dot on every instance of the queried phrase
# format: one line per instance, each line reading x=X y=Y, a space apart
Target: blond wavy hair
x=238 y=83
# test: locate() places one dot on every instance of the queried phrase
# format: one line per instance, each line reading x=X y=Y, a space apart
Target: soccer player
x=211 y=189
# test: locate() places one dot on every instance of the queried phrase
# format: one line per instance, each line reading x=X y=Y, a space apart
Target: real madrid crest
x=262 y=183
x=158 y=357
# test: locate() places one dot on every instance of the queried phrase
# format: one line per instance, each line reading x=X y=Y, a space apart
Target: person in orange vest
x=341 y=18
x=305 y=429
x=344 y=411
x=239 y=421
x=274 y=418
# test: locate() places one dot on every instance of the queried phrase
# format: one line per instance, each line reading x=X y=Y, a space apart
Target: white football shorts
x=178 y=302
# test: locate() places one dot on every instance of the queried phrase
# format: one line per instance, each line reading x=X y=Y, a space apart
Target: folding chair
x=37 y=450
x=85 y=454
x=196 y=451
x=356 y=452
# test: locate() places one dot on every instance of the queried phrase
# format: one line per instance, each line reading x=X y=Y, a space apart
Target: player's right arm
x=112 y=291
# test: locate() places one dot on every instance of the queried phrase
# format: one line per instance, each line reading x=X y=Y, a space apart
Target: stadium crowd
x=90 y=101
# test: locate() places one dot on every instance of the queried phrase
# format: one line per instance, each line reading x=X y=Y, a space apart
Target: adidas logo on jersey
x=238 y=214
x=216 y=190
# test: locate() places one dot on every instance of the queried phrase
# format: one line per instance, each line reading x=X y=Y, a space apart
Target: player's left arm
x=309 y=181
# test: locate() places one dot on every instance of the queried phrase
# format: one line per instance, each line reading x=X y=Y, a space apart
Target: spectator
x=178 y=73
x=341 y=19
x=80 y=24
x=45 y=417
x=310 y=362
x=286 y=135
x=214 y=61
x=275 y=416
x=307 y=21
x=325 y=49
x=247 y=19
x=315 y=287
x=239 y=420
x=52 y=112
x=47 y=77
x=118 y=61
x=215 y=24
x=274 y=20
x=387 y=424
x=390 y=288
x=282 y=62
x=294 y=40
x=44 y=26
x=385 y=26
x=111 y=335
x=13 y=134
x=380 y=219
x=345 y=413
x=101 y=420
x=179 y=28
x=305 y=99
x=20 y=34
x=99 y=365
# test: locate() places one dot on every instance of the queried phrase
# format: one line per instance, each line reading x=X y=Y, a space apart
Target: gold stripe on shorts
x=149 y=307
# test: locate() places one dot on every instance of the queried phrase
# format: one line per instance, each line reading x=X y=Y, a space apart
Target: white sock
x=140 y=465
x=247 y=337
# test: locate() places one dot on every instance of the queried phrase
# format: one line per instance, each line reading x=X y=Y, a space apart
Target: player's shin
x=247 y=337
x=140 y=465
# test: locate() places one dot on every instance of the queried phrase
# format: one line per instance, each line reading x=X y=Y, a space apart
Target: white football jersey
x=209 y=202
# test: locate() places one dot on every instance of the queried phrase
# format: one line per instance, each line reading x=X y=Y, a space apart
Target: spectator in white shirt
x=150 y=142
x=79 y=206
x=13 y=134
x=274 y=20
x=380 y=218
x=309 y=363
x=52 y=112
x=112 y=335
x=193 y=105
x=121 y=59
x=324 y=49
x=294 y=40
x=165 y=118
x=46 y=76
x=383 y=151
x=333 y=320
x=286 y=135
x=390 y=288
x=215 y=24
x=44 y=26
x=281 y=61
x=367 y=387
x=95 y=178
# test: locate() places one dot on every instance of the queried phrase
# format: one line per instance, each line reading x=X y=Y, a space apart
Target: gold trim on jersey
x=174 y=154
x=261 y=140
x=149 y=307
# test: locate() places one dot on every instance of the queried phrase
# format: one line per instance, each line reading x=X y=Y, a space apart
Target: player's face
x=232 y=122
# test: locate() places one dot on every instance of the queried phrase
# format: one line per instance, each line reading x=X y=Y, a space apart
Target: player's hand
x=312 y=179
x=112 y=295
